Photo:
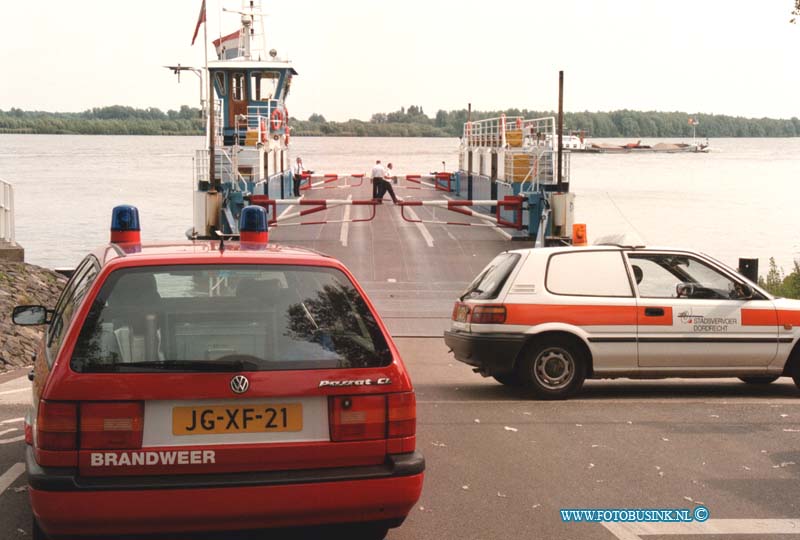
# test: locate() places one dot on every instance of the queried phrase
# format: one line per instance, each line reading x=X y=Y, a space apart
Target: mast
x=210 y=109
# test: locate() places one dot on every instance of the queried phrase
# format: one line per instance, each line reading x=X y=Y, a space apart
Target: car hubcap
x=554 y=368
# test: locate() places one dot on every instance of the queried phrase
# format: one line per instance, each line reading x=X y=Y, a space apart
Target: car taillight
x=57 y=425
x=486 y=314
x=357 y=418
x=112 y=425
x=402 y=414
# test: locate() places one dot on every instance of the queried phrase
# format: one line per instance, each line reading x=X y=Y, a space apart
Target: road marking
x=14 y=439
x=717 y=527
x=14 y=391
x=346 y=225
x=12 y=420
x=285 y=210
x=422 y=228
x=8 y=431
x=11 y=475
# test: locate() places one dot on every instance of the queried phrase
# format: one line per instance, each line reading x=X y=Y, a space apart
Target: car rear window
x=490 y=281
x=228 y=318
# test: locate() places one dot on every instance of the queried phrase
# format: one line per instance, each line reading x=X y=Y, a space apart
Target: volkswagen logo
x=240 y=384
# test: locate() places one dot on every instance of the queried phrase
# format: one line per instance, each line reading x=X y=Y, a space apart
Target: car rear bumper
x=66 y=504
x=492 y=353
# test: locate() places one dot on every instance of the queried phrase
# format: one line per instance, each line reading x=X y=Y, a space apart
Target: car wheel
x=37 y=533
x=553 y=368
x=508 y=379
x=758 y=380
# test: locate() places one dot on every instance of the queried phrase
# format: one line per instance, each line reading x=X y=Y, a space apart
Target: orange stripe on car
x=770 y=317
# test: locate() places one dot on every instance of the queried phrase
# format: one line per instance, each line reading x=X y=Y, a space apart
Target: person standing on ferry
x=297 y=176
x=378 y=173
x=383 y=185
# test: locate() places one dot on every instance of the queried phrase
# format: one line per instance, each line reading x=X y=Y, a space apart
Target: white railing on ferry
x=6 y=212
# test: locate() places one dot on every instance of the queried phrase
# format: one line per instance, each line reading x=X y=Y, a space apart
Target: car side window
x=588 y=273
x=671 y=275
x=68 y=302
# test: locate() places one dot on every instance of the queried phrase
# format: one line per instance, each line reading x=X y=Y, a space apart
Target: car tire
x=37 y=533
x=508 y=379
x=759 y=380
x=553 y=368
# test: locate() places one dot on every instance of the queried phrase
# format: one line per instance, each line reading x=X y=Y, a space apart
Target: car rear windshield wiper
x=234 y=364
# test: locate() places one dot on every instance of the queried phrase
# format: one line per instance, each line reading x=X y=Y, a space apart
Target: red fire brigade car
x=215 y=385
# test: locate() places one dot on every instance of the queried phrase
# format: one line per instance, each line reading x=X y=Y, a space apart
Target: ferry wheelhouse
x=247 y=128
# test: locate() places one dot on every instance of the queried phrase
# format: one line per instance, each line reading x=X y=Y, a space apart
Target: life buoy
x=276 y=119
x=263 y=131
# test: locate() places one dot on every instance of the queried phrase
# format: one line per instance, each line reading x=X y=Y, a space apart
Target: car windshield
x=492 y=278
x=228 y=318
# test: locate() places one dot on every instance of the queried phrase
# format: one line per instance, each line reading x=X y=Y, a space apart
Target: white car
x=549 y=318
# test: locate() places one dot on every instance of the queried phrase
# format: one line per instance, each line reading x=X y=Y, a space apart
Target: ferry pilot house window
x=228 y=318
x=265 y=85
x=237 y=86
x=219 y=78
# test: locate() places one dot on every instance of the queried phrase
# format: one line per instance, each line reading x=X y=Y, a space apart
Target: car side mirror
x=744 y=291
x=29 y=315
x=684 y=290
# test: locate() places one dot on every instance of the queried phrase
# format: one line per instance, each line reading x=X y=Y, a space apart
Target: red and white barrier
x=318 y=205
x=510 y=202
x=320 y=181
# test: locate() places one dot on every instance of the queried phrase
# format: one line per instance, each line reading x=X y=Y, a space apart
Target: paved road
x=501 y=466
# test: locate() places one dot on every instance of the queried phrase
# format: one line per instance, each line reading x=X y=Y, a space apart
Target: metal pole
x=469 y=155
x=560 y=127
x=211 y=129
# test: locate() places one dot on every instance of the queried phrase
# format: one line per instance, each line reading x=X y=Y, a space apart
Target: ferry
x=511 y=170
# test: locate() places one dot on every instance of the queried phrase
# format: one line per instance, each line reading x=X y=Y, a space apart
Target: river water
x=740 y=200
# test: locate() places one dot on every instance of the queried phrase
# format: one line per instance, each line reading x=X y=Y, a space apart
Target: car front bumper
x=493 y=353
x=67 y=504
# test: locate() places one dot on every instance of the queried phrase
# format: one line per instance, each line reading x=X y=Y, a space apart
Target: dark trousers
x=375 y=187
x=296 y=181
x=381 y=187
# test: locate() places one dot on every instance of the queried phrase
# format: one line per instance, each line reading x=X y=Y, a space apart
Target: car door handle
x=653 y=312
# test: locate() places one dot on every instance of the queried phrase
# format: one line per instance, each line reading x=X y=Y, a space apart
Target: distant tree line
x=405 y=122
x=114 y=120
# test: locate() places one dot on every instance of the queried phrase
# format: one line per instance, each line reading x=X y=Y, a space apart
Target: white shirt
x=378 y=171
x=298 y=168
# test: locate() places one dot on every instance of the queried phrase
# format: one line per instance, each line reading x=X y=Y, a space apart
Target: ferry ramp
x=413 y=272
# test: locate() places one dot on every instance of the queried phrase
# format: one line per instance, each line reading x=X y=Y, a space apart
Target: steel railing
x=7 y=212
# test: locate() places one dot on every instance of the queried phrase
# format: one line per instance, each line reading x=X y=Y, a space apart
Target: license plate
x=461 y=314
x=251 y=418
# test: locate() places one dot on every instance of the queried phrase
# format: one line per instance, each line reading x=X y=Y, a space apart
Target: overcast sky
x=357 y=57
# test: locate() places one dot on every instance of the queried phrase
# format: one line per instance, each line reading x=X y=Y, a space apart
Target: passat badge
x=240 y=384
x=356 y=382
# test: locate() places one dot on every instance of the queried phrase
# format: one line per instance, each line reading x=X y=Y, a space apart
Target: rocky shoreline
x=22 y=283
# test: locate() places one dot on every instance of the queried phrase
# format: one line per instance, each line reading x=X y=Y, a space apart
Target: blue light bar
x=125 y=218
x=253 y=219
